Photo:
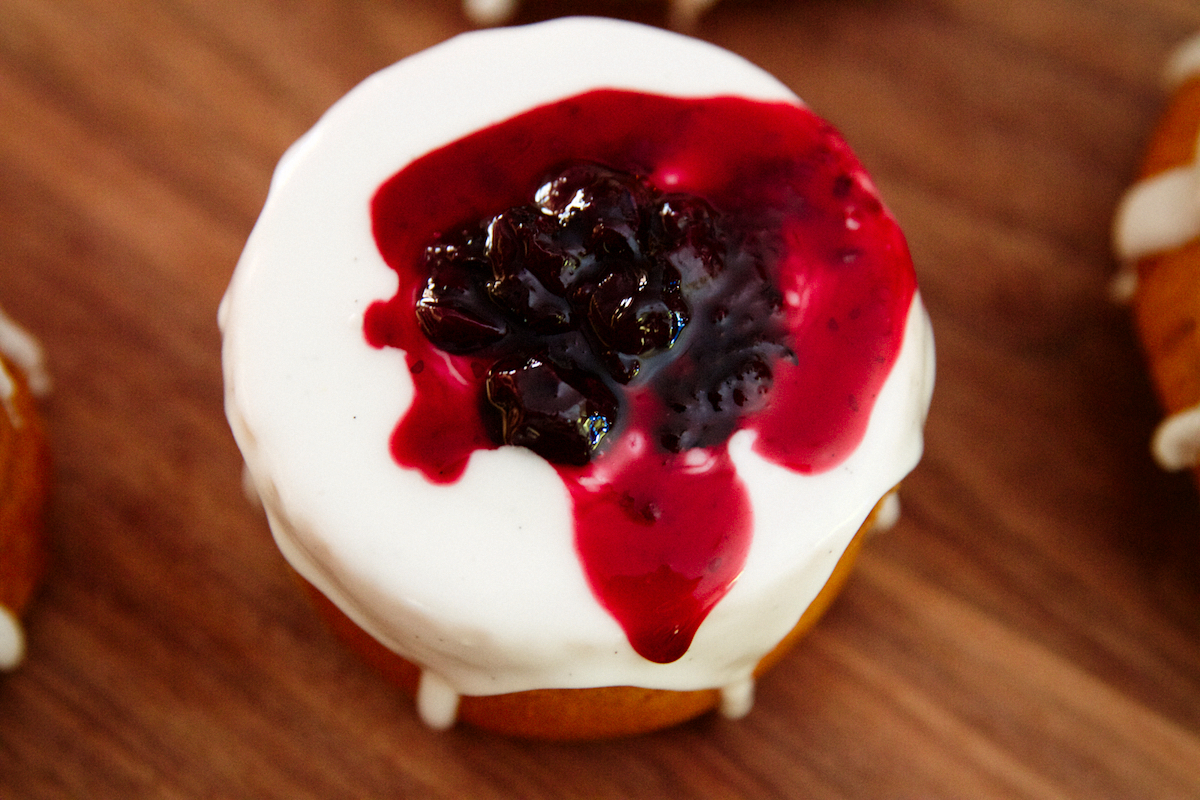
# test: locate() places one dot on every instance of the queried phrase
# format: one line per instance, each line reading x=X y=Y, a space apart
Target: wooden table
x=1030 y=629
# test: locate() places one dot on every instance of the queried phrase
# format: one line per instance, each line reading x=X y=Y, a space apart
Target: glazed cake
x=636 y=468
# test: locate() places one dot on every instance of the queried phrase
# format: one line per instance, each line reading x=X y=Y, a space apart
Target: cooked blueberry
x=600 y=275
x=525 y=271
x=636 y=313
x=599 y=209
x=562 y=414
x=523 y=239
x=453 y=309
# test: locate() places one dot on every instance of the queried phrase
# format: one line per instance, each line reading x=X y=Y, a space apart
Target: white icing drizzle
x=489 y=12
x=8 y=389
x=1176 y=442
x=437 y=702
x=888 y=514
x=1183 y=63
x=737 y=699
x=1158 y=214
x=12 y=639
x=19 y=346
x=249 y=489
x=481 y=588
x=1163 y=211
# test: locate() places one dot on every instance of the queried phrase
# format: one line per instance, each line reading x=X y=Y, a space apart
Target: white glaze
x=737 y=699
x=1183 y=64
x=480 y=587
x=489 y=12
x=1176 y=442
x=1163 y=211
x=12 y=639
x=8 y=389
x=19 y=347
x=888 y=514
x=249 y=489
x=1158 y=214
x=437 y=701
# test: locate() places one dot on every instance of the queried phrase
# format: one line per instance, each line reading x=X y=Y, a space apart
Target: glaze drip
x=437 y=701
x=24 y=351
x=12 y=639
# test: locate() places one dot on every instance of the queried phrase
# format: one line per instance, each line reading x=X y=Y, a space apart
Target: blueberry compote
x=619 y=282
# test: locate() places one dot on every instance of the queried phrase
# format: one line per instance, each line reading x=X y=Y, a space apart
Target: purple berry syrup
x=662 y=521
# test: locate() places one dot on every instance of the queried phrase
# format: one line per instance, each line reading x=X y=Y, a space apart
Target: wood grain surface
x=1030 y=629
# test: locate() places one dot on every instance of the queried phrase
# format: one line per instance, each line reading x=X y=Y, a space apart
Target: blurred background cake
x=24 y=482
x=1157 y=238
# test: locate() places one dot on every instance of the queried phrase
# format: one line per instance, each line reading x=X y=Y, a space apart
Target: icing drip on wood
x=12 y=639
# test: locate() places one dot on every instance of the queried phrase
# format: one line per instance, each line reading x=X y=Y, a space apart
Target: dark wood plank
x=1030 y=629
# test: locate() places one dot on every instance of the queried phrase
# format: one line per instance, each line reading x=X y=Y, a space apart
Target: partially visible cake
x=1156 y=236
x=683 y=13
x=24 y=482
x=569 y=362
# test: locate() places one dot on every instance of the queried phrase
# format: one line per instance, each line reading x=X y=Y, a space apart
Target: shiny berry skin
x=599 y=209
x=561 y=414
x=453 y=310
x=525 y=270
x=601 y=276
x=637 y=314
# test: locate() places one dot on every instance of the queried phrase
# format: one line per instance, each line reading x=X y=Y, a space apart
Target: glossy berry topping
x=577 y=287
x=560 y=413
x=526 y=265
x=452 y=309
x=651 y=277
x=636 y=312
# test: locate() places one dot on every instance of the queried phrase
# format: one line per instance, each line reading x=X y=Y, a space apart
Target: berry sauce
x=770 y=288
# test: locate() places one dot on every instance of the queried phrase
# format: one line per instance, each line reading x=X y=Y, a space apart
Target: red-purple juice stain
x=663 y=535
